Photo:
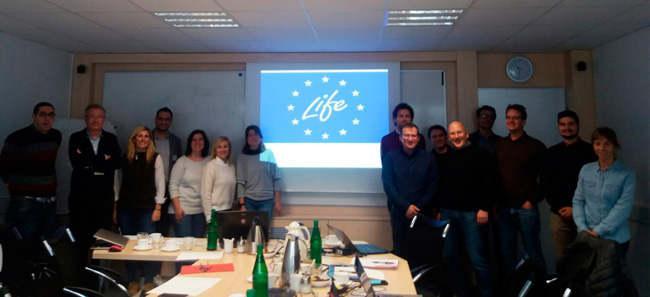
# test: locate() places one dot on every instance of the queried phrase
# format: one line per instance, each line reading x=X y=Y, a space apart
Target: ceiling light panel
x=216 y=19
x=422 y=17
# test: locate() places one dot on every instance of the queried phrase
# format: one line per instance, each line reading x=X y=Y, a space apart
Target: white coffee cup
x=156 y=237
x=144 y=243
x=228 y=245
x=171 y=244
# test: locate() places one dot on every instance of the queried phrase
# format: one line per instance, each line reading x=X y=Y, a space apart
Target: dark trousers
x=85 y=220
x=32 y=219
x=399 y=224
x=525 y=222
x=131 y=222
x=465 y=234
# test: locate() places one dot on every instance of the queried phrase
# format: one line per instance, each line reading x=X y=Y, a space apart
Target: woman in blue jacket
x=604 y=197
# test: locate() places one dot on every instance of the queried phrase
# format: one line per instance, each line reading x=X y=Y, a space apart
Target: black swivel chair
x=425 y=240
x=95 y=278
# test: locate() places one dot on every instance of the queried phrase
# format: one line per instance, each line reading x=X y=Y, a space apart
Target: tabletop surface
x=399 y=280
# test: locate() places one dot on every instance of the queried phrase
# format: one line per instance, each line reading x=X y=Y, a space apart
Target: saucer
x=142 y=248
x=170 y=248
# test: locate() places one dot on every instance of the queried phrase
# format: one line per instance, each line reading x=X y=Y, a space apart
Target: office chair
x=426 y=238
x=80 y=292
x=95 y=278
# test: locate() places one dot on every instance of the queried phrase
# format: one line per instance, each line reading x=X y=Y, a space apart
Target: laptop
x=362 y=249
x=236 y=224
x=366 y=283
x=111 y=237
x=364 y=280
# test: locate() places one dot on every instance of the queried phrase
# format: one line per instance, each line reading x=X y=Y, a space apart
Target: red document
x=192 y=269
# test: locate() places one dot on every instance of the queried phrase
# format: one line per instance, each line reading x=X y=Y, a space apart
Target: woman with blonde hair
x=219 y=179
x=140 y=193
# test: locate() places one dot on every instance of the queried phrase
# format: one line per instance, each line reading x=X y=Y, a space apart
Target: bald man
x=465 y=197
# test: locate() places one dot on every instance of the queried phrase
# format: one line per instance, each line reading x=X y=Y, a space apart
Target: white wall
x=29 y=73
x=622 y=83
x=622 y=78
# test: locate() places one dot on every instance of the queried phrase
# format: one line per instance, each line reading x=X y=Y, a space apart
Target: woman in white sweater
x=219 y=179
x=185 y=187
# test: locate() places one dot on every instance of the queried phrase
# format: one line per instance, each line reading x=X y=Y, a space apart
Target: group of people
x=154 y=187
x=490 y=187
x=478 y=182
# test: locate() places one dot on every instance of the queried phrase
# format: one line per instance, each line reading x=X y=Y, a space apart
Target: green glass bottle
x=260 y=274
x=316 y=245
x=213 y=234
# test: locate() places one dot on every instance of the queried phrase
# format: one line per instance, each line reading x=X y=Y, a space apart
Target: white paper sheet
x=375 y=274
x=194 y=256
x=187 y=285
x=380 y=263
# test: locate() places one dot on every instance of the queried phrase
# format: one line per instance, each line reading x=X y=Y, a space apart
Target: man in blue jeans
x=465 y=197
x=27 y=166
x=518 y=162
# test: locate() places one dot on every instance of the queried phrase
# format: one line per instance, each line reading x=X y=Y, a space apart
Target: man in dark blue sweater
x=409 y=175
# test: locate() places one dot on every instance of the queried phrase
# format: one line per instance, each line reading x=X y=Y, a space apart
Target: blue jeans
x=465 y=231
x=263 y=205
x=131 y=222
x=190 y=225
x=511 y=221
x=31 y=218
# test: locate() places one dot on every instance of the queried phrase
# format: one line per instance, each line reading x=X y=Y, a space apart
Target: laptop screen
x=235 y=224
x=343 y=237
x=364 y=280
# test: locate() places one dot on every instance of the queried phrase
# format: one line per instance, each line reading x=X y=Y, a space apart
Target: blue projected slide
x=324 y=118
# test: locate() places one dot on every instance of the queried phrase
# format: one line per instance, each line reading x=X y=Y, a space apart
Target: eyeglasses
x=46 y=114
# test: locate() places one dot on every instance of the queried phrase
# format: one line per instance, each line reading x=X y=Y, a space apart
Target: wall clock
x=519 y=69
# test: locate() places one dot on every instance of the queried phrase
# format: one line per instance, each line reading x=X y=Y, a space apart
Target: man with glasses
x=484 y=137
x=409 y=175
x=519 y=158
x=27 y=167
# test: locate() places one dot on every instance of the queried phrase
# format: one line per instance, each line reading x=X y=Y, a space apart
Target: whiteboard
x=208 y=100
x=542 y=106
x=425 y=92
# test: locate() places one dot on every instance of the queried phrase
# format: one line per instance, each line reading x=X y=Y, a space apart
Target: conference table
x=238 y=281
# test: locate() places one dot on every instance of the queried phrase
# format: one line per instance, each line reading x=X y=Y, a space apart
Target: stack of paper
x=380 y=263
x=184 y=285
x=195 y=256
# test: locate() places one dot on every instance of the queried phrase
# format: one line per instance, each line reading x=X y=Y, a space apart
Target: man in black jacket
x=409 y=176
x=559 y=178
x=465 y=197
x=95 y=155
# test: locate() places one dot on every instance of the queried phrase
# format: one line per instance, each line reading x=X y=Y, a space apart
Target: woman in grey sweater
x=258 y=177
x=185 y=187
